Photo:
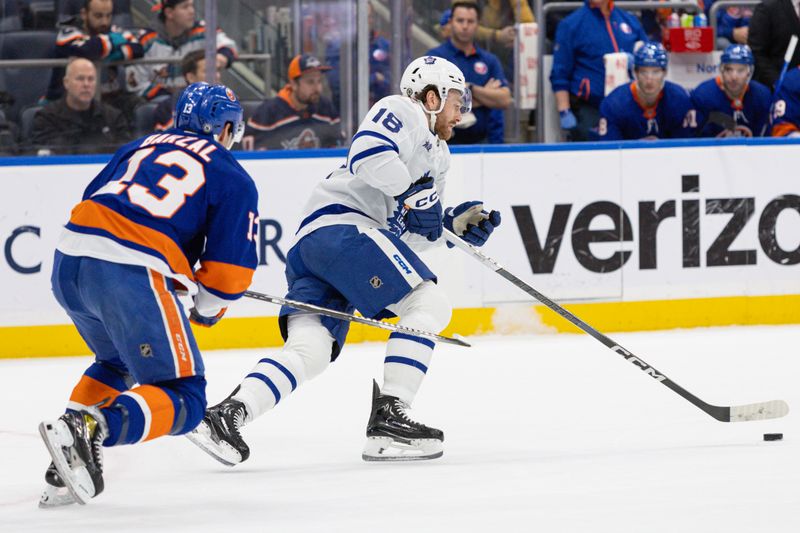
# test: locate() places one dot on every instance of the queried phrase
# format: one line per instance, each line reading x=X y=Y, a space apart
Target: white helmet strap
x=432 y=114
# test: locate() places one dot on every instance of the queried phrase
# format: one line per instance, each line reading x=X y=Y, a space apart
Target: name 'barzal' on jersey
x=199 y=146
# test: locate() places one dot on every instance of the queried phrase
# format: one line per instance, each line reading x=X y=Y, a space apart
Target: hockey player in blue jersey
x=649 y=107
x=731 y=104
x=786 y=112
x=356 y=248
x=162 y=204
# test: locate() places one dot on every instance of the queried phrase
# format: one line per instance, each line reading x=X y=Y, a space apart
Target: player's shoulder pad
x=674 y=90
x=759 y=89
x=408 y=110
x=705 y=89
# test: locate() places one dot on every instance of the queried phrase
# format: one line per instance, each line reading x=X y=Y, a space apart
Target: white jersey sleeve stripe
x=368 y=133
x=366 y=153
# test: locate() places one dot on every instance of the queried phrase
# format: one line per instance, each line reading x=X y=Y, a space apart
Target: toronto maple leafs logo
x=430 y=60
x=427 y=145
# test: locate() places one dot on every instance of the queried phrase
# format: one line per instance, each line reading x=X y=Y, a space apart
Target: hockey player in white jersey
x=355 y=249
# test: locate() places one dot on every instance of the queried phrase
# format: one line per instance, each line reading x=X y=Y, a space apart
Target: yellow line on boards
x=262 y=332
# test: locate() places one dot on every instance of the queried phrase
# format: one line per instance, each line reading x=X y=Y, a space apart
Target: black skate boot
x=393 y=436
x=75 y=444
x=218 y=433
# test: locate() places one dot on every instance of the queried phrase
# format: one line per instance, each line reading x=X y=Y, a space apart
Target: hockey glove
x=205 y=321
x=421 y=210
x=567 y=120
x=470 y=222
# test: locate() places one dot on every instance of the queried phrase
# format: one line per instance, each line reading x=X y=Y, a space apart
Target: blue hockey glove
x=205 y=321
x=470 y=222
x=421 y=210
x=568 y=120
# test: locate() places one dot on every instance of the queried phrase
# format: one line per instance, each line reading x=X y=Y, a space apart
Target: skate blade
x=221 y=451
x=77 y=480
x=53 y=497
x=388 y=449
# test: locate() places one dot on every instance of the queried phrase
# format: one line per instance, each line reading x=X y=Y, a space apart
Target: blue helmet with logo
x=205 y=109
x=738 y=53
x=650 y=54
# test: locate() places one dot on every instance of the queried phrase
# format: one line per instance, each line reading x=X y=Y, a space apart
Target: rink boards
x=629 y=236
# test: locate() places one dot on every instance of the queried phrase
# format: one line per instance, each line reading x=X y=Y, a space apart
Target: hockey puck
x=773 y=436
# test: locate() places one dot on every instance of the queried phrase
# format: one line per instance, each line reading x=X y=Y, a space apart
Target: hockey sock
x=100 y=383
x=407 y=360
x=305 y=355
x=408 y=357
x=150 y=411
x=270 y=380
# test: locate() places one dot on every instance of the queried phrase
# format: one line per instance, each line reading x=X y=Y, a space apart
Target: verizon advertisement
x=586 y=225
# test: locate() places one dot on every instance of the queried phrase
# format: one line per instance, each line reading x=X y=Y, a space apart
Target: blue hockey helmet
x=205 y=109
x=738 y=53
x=650 y=54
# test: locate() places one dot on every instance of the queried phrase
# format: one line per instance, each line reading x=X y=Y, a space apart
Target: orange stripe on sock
x=180 y=343
x=162 y=412
x=89 y=391
x=93 y=215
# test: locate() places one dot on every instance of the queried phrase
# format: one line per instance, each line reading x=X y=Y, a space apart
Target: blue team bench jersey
x=623 y=117
x=749 y=115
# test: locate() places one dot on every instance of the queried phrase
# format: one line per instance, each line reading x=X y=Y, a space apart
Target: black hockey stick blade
x=315 y=309
x=737 y=413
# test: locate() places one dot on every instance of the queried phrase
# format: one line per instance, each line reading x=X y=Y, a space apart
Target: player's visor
x=466 y=101
x=239 y=133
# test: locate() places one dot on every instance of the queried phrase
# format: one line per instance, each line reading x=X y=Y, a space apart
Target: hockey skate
x=75 y=444
x=393 y=436
x=218 y=433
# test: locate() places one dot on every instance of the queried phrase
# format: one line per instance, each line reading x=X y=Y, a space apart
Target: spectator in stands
x=731 y=105
x=484 y=76
x=91 y=35
x=786 y=113
x=496 y=29
x=497 y=22
x=732 y=24
x=649 y=107
x=445 y=28
x=193 y=68
x=772 y=25
x=177 y=34
x=578 y=74
x=299 y=117
x=76 y=123
x=379 y=68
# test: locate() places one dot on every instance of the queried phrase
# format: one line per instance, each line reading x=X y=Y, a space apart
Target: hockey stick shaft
x=315 y=309
x=756 y=411
x=787 y=58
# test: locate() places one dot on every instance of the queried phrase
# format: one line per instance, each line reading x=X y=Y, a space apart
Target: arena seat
x=144 y=118
x=26 y=85
x=9 y=16
x=26 y=123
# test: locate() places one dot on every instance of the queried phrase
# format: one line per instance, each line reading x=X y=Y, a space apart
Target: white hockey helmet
x=439 y=72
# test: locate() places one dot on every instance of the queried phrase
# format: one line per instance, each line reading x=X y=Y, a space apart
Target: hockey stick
x=310 y=308
x=737 y=413
x=787 y=58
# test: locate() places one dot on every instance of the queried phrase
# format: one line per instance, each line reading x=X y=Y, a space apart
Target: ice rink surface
x=545 y=433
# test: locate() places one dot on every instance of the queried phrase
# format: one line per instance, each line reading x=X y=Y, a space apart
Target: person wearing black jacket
x=77 y=123
x=772 y=25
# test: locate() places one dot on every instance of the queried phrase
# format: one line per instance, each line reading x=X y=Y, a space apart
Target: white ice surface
x=548 y=433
